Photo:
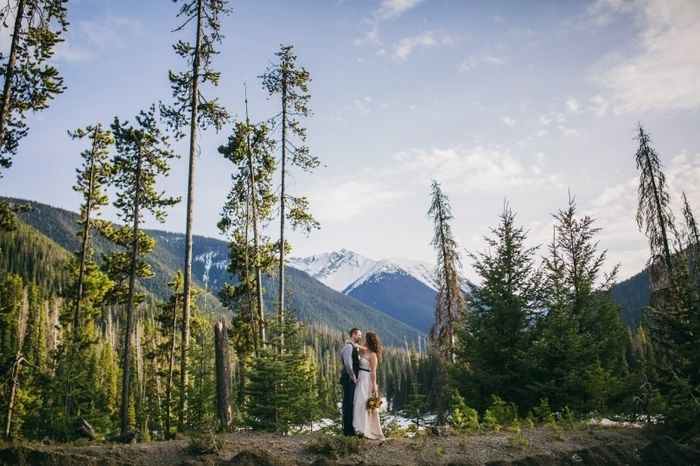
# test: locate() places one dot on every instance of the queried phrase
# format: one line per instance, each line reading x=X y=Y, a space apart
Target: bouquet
x=374 y=402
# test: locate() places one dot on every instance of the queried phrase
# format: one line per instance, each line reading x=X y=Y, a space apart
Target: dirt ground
x=537 y=446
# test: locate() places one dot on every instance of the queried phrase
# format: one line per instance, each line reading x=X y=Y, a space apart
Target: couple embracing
x=359 y=380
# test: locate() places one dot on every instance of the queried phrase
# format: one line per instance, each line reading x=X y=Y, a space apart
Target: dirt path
x=592 y=445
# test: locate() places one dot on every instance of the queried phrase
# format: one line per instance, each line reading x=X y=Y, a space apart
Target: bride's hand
x=376 y=390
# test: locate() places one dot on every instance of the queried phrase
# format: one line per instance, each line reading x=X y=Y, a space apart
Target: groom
x=351 y=369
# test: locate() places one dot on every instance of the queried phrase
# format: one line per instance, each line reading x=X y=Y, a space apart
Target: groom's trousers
x=348 y=400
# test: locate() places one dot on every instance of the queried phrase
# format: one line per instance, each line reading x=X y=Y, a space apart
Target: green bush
x=489 y=422
x=503 y=411
x=464 y=418
x=542 y=414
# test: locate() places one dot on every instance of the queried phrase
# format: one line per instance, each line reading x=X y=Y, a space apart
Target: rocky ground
x=591 y=445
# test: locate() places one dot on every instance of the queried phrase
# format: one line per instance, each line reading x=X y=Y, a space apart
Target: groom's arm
x=347 y=362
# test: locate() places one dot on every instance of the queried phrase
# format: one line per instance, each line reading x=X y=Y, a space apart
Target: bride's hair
x=373 y=343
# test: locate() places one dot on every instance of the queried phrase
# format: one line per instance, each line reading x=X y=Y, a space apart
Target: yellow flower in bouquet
x=374 y=402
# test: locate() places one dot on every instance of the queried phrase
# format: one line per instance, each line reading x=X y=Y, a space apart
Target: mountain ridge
x=313 y=301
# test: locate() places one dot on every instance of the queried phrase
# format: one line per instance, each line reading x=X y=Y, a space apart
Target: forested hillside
x=313 y=301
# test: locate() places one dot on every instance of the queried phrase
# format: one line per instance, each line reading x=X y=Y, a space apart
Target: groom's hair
x=354 y=330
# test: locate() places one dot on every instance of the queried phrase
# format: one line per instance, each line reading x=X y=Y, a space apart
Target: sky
x=499 y=101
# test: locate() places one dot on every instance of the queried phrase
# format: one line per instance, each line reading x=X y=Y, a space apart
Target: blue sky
x=496 y=100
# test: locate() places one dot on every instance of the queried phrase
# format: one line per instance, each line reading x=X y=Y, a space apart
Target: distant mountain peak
x=336 y=269
x=344 y=270
x=421 y=271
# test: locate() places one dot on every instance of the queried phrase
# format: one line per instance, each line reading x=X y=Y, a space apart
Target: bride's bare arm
x=361 y=349
x=373 y=372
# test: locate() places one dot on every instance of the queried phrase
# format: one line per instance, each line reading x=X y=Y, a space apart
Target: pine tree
x=654 y=211
x=292 y=86
x=193 y=112
x=142 y=155
x=449 y=304
x=168 y=322
x=582 y=326
x=673 y=325
x=28 y=82
x=249 y=206
x=502 y=306
x=92 y=178
x=691 y=241
x=283 y=394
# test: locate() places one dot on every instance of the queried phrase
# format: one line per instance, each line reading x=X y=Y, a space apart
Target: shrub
x=464 y=418
x=503 y=411
x=204 y=443
x=489 y=422
x=335 y=446
x=543 y=413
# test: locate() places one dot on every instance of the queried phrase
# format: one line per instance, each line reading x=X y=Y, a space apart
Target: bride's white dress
x=365 y=421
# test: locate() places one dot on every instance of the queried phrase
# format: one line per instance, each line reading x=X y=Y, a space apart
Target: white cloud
x=404 y=47
x=509 y=121
x=66 y=51
x=344 y=199
x=475 y=61
x=387 y=10
x=599 y=105
x=664 y=72
x=478 y=169
x=573 y=105
x=602 y=12
x=543 y=120
x=390 y=9
x=566 y=131
x=108 y=31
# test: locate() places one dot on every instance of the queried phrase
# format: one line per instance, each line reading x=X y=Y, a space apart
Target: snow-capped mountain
x=402 y=288
x=337 y=270
x=421 y=271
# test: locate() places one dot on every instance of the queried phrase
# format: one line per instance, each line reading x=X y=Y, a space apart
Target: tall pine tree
x=654 y=213
x=580 y=340
x=249 y=207
x=498 y=329
x=143 y=154
x=449 y=304
x=291 y=84
x=192 y=112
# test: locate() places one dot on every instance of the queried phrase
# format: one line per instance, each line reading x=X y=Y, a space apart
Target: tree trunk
x=187 y=283
x=662 y=223
x=282 y=205
x=86 y=239
x=13 y=392
x=256 y=242
x=124 y=409
x=171 y=364
x=223 y=375
x=10 y=73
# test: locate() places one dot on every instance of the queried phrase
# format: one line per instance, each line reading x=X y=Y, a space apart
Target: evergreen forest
x=108 y=332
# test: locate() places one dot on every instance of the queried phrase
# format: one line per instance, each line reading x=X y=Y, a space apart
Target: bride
x=366 y=421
